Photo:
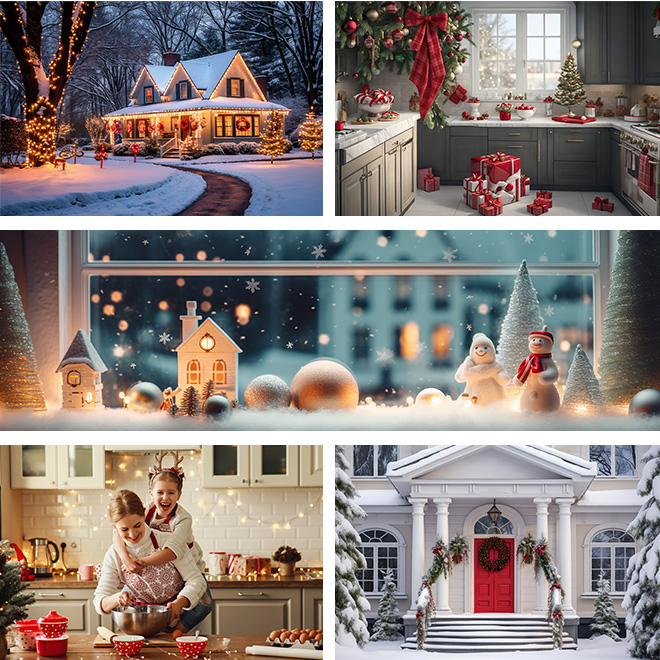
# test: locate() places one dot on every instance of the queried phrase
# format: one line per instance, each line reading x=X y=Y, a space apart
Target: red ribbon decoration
x=428 y=72
x=531 y=364
x=598 y=200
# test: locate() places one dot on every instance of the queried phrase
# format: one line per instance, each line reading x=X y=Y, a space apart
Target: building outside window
x=614 y=460
x=184 y=89
x=382 y=552
x=220 y=372
x=235 y=86
x=372 y=460
x=611 y=551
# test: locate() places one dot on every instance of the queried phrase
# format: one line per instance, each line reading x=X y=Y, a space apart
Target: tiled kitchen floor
x=448 y=201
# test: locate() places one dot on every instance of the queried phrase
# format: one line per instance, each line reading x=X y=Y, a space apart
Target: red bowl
x=128 y=644
x=189 y=647
x=52 y=646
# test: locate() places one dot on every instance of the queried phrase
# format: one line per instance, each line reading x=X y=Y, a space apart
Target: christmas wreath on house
x=242 y=124
x=503 y=554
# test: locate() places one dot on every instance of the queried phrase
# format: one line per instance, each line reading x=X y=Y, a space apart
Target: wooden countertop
x=80 y=648
x=299 y=580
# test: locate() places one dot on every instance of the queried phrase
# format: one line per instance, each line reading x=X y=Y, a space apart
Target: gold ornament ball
x=324 y=384
x=429 y=397
x=451 y=76
x=406 y=32
x=144 y=397
x=267 y=391
x=372 y=14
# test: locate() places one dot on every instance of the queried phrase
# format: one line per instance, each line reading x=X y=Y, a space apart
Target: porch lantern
x=494 y=514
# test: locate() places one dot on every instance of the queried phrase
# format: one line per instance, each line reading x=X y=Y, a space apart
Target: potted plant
x=526 y=549
x=458 y=549
x=474 y=102
x=14 y=598
x=287 y=556
x=505 y=110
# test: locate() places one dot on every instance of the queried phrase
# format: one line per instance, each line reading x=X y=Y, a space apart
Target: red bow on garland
x=428 y=72
x=531 y=364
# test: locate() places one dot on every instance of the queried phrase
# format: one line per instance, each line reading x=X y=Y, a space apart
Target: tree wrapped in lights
x=311 y=133
x=273 y=142
x=22 y=28
x=570 y=90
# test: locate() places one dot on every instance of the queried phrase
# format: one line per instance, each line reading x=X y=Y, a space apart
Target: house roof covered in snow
x=82 y=351
x=218 y=103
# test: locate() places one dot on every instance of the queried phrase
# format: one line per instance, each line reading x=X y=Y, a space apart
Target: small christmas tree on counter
x=350 y=603
x=14 y=597
x=582 y=392
x=311 y=133
x=273 y=142
x=388 y=625
x=641 y=599
x=570 y=90
x=605 y=621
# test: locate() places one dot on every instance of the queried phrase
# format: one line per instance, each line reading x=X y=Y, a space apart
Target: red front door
x=493 y=590
x=185 y=127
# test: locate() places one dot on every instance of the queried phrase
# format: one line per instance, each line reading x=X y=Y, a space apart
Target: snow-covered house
x=581 y=498
x=206 y=352
x=211 y=99
x=81 y=369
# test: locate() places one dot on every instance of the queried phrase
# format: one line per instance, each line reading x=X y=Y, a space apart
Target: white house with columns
x=580 y=498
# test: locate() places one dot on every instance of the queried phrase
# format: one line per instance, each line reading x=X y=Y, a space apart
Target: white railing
x=170 y=144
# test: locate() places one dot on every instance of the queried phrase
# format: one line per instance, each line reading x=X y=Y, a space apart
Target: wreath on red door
x=503 y=554
x=129 y=127
x=242 y=124
x=185 y=124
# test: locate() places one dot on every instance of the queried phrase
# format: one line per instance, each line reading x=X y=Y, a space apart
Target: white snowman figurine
x=539 y=374
x=483 y=376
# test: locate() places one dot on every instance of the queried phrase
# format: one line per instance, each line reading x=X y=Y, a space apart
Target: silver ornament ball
x=645 y=402
x=218 y=407
x=267 y=391
x=144 y=397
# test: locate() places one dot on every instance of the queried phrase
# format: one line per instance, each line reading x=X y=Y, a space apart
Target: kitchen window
x=382 y=551
x=614 y=460
x=519 y=49
x=611 y=552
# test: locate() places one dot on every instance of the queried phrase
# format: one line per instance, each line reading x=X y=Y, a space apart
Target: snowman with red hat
x=538 y=373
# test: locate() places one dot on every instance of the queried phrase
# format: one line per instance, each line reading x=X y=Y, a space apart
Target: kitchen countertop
x=539 y=121
x=80 y=647
x=299 y=579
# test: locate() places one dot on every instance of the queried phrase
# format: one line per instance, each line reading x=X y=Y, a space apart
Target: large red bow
x=428 y=72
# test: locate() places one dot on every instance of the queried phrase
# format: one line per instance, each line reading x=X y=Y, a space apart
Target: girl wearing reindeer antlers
x=167 y=515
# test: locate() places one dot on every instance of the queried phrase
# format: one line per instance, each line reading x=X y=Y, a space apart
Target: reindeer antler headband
x=176 y=470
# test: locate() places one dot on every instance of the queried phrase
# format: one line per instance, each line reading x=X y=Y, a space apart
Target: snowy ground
x=601 y=648
x=288 y=187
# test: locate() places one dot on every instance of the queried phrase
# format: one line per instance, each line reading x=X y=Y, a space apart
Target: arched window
x=382 y=551
x=220 y=372
x=486 y=526
x=611 y=550
x=194 y=373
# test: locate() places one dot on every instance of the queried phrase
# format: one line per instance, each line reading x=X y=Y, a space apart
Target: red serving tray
x=574 y=120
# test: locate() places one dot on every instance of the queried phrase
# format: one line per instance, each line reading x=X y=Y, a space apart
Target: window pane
x=535 y=48
x=273 y=459
x=225 y=460
x=535 y=76
x=624 y=460
x=386 y=454
x=506 y=24
x=80 y=460
x=507 y=74
x=488 y=75
x=488 y=48
x=552 y=48
x=602 y=455
x=34 y=460
x=507 y=50
x=535 y=24
x=553 y=25
x=363 y=460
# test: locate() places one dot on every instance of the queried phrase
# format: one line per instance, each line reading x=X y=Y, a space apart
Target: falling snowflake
x=145 y=242
x=289 y=344
x=468 y=327
x=164 y=338
x=469 y=297
x=449 y=254
x=528 y=238
x=549 y=311
x=252 y=285
x=385 y=356
x=247 y=252
x=133 y=365
x=318 y=251
x=420 y=346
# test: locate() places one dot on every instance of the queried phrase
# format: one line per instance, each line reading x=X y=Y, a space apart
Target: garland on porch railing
x=543 y=563
x=425 y=612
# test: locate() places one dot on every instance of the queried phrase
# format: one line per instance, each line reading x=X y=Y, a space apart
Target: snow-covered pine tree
x=208 y=389
x=522 y=317
x=582 y=391
x=350 y=603
x=273 y=142
x=630 y=336
x=570 y=88
x=191 y=402
x=14 y=594
x=388 y=625
x=641 y=599
x=311 y=133
x=605 y=621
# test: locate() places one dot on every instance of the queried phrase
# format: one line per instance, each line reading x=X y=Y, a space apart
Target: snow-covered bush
x=121 y=149
x=229 y=148
x=211 y=150
x=96 y=127
x=151 y=147
x=13 y=140
x=247 y=147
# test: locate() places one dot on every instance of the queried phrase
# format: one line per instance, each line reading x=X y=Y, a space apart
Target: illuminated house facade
x=211 y=99
x=580 y=498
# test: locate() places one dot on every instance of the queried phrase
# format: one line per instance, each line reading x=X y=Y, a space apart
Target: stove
x=640 y=181
x=347 y=137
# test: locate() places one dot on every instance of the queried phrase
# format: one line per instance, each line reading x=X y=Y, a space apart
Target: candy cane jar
x=374 y=101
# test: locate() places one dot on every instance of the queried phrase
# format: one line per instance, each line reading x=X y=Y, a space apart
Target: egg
x=274 y=635
x=293 y=636
x=312 y=633
x=284 y=636
x=583 y=118
x=297 y=630
x=319 y=637
x=304 y=636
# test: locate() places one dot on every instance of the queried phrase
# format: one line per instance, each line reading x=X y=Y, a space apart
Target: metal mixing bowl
x=145 y=620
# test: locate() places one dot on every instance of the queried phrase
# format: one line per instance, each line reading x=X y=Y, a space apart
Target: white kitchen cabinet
x=311 y=465
x=57 y=466
x=77 y=605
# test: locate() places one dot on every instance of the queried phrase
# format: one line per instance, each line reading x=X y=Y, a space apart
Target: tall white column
x=442 y=531
x=565 y=551
x=541 y=531
x=417 y=555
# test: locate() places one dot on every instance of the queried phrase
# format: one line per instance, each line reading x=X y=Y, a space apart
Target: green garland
x=503 y=554
x=372 y=20
x=543 y=563
x=526 y=548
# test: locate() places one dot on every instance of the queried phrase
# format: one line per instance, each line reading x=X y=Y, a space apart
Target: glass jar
x=622 y=107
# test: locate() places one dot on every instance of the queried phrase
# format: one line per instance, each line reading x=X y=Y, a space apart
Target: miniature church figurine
x=483 y=376
x=81 y=369
x=539 y=373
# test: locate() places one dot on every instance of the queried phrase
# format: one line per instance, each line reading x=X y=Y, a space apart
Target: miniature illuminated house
x=213 y=99
x=81 y=369
x=206 y=352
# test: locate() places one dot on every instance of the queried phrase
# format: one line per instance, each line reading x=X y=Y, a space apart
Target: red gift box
x=543 y=194
x=537 y=208
x=602 y=205
x=422 y=174
x=543 y=201
x=478 y=197
x=525 y=184
x=474 y=183
x=459 y=94
x=431 y=183
x=495 y=167
x=491 y=207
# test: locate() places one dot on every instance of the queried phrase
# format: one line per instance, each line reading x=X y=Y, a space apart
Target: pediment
x=224 y=343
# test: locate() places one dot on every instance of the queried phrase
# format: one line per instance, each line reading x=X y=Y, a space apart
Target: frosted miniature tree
x=311 y=133
x=641 y=599
x=20 y=385
x=273 y=142
x=388 y=625
x=191 y=402
x=582 y=391
x=605 y=621
x=208 y=389
x=630 y=337
x=570 y=88
x=522 y=317
x=350 y=603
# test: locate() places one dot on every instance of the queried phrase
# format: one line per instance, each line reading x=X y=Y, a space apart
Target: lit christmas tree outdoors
x=570 y=90
x=311 y=133
x=273 y=142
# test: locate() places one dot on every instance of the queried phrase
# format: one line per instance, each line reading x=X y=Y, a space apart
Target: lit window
x=184 y=89
x=611 y=551
x=220 y=372
x=73 y=378
x=193 y=372
x=148 y=94
x=372 y=460
x=441 y=341
x=486 y=526
x=382 y=552
x=409 y=341
x=614 y=460
x=89 y=397
x=234 y=87
x=207 y=342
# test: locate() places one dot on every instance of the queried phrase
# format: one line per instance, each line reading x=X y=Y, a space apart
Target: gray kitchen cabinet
x=312 y=608
x=615 y=160
x=520 y=142
x=433 y=151
x=465 y=142
x=577 y=156
x=649 y=61
x=77 y=605
x=546 y=156
x=362 y=184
